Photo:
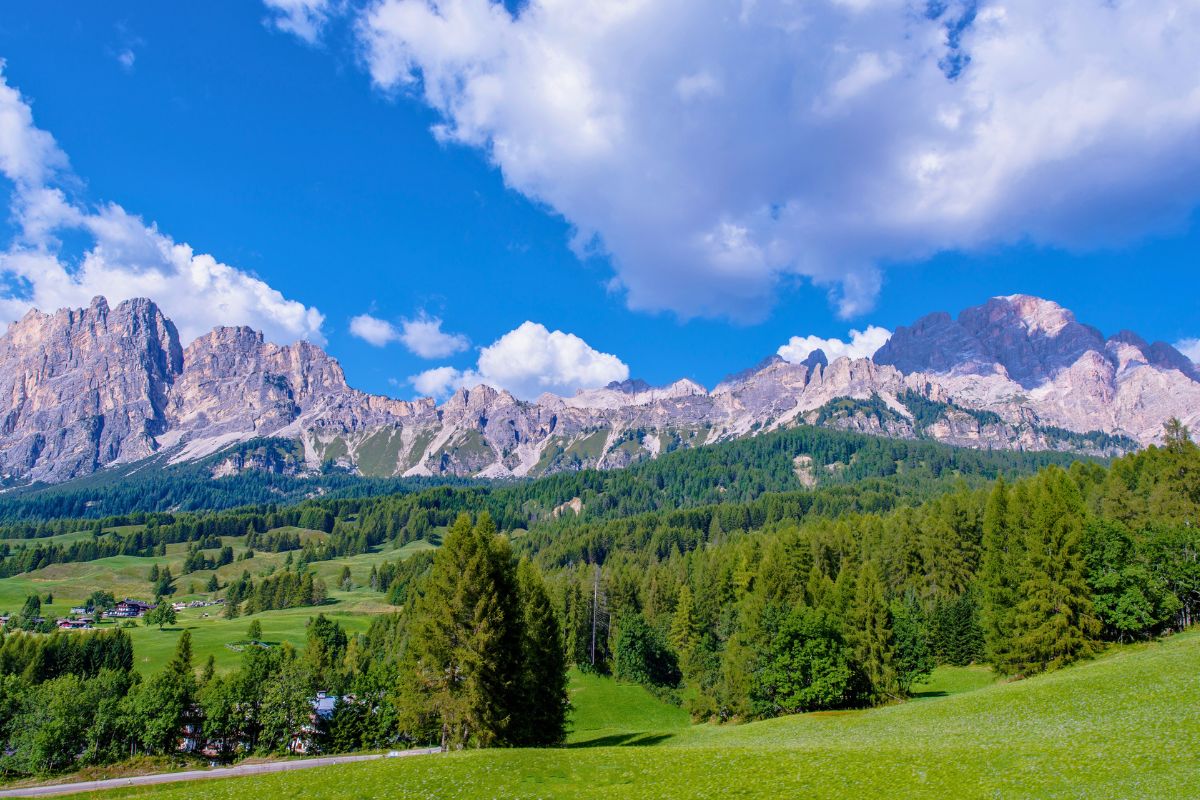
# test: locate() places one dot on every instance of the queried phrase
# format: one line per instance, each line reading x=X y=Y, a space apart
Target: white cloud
x=862 y=344
x=528 y=361
x=126 y=58
x=126 y=256
x=423 y=336
x=714 y=147
x=28 y=155
x=373 y=330
x=441 y=381
x=304 y=18
x=1190 y=348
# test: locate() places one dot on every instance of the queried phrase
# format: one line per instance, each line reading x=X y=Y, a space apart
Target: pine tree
x=870 y=633
x=1054 y=623
x=543 y=705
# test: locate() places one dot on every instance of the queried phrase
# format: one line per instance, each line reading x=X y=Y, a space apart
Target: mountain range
x=85 y=389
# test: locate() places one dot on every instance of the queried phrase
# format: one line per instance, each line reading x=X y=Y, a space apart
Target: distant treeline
x=160 y=486
x=856 y=473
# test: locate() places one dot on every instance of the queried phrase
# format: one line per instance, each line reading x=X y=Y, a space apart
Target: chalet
x=78 y=610
x=323 y=706
x=79 y=624
x=129 y=608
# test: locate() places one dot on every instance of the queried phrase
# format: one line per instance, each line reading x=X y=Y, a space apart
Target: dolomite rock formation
x=82 y=389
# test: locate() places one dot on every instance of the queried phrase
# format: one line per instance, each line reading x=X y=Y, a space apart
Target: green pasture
x=1122 y=726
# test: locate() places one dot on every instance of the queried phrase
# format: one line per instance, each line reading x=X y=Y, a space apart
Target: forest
x=764 y=604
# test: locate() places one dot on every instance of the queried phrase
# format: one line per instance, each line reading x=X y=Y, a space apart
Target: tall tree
x=870 y=633
x=165 y=701
x=999 y=575
x=1054 y=623
x=465 y=637
x=543 y=704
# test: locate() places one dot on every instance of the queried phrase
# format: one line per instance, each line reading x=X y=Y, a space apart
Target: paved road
x=202 y=774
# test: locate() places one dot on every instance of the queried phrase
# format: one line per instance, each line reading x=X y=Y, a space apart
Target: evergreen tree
x=543 y=705
x=999 y=575
x=870 y=633
x=1055 y=622
x=324 y=650
x=685 y=628
x=32 y=608
x=465 y=639
x=165 y=701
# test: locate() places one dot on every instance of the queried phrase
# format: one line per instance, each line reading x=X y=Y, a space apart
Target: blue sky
x=302 y=156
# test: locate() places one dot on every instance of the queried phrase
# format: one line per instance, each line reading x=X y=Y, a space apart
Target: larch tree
x=999 y=575
x=869 y=633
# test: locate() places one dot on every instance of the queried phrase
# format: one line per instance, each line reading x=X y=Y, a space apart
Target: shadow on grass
x=624 y=740
x=926 y=695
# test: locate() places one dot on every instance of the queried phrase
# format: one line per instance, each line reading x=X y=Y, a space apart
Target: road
x=201 y=774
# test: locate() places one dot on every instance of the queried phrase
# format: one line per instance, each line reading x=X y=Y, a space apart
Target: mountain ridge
x=82 y=389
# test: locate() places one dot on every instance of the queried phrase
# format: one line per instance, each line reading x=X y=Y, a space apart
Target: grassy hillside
x=1122 y=726
x=126 y=576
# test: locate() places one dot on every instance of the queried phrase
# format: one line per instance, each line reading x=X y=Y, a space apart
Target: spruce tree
x=1054 y=623
x=466 y=637
x=541 y=718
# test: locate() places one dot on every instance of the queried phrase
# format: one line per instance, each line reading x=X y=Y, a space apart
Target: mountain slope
x=84 y=389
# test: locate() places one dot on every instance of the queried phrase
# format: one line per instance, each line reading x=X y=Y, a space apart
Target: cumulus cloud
x=862 y=344
x=305 y=19
x=528 y=361
x=423 y=335
x=441 y=381
x=713 y=148
x=373 y=330
x=1190 y=348
x=125 y=256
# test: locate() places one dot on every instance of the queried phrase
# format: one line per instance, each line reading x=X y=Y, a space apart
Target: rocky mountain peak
x=1021 y=337
x=84 y=388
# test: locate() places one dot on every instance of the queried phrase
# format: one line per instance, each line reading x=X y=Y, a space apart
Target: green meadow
x=126 y=576
x=1124 y=725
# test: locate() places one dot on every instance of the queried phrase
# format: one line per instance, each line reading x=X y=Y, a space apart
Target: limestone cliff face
x=1025 y=355
x=85 y=388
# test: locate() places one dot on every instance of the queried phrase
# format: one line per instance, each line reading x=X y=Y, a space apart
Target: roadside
x=50 y=790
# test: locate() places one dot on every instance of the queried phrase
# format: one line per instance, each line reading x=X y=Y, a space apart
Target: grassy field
x=1123 y=726
x=126 y=576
